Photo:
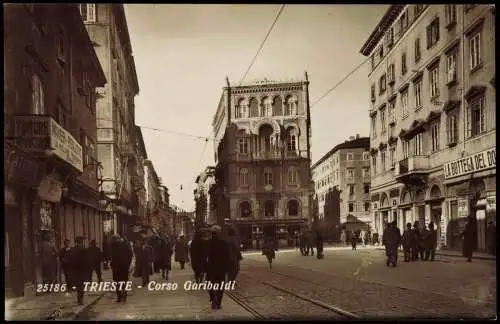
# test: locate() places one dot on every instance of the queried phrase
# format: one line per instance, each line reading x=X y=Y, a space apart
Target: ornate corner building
x=432 y=109
x=262 y=144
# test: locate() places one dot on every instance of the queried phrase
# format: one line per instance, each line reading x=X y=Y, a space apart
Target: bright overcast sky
x=184 y=52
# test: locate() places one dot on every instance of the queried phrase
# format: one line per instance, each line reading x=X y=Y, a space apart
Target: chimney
x=357 y=136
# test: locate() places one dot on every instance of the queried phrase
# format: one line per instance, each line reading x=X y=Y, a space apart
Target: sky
x=183 y=53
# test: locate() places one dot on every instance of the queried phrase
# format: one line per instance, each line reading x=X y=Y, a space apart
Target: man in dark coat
x=145 y=261
x=430 y=243
x=95 y=259
x=217 y=265
x=165 y=257
x=415 y=248
x=181 y=251
x=319 y=245
x=198 y=255
x=302 y=243
x=234 y=255
x=121 y=258
x=468 y=236
x=391 y=239
x=311 y=242
x=63 y=259
x=407 y=242
x=79 y=267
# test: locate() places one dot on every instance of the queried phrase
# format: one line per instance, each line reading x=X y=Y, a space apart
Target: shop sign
x=19 y=167
x=46 y=217
x=65 y=146
x=463 y=208
x=474 y=163
x=50 y=189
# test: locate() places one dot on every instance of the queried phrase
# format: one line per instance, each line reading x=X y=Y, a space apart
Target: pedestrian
x=368 y=237
x=407 y=242
x=121 y=259
x=145 y=261
x=234 y=255
x=343 y=238
x=165 y=259
x=303 y=243
x=311 y=242
x=217 y=260
x=79 y=267
x=136 y=248
x=63 y=260
x=375 y=239
x=415 y=248
x=430 y=243
x=424 y=233
x=48 y=258
x=319 y=245
x=362 y=235
x=157 y=257
x=269 y=250
x=391 y=239
x=468 y=236
x=491 y=238
x=181 y=251
x=95 y=259
x=354 y=241
x=105 y=252
x=198 y=255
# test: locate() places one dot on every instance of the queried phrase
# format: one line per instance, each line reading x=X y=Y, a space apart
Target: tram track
x=290 y=299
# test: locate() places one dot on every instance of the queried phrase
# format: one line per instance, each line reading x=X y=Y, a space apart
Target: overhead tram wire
x=263 y=42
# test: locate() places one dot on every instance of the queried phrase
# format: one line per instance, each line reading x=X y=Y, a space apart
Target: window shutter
x=428 y=34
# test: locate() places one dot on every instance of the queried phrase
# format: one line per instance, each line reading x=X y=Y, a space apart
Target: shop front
x=471 y=192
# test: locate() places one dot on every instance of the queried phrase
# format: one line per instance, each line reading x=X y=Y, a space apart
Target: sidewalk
x=41 y=307
x=179 y=304
x=458 y=254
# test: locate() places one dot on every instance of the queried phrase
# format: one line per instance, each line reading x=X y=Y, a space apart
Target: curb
x=478 y=257
x=86 y=307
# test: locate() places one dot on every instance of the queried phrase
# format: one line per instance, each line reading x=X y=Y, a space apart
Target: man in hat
x=217 y=265
x=121 y=258
x=78 y=266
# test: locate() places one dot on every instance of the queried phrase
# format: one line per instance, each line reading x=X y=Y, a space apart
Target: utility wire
x=340 y=82
x=263 y=42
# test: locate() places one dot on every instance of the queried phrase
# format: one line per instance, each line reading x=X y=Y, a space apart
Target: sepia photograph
x=227 y=162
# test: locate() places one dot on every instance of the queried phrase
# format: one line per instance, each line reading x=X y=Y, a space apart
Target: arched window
x=293 y=208
x=38 y=96
x=268 y=177
x=267 y=105
x=245 y=209
x=291 y=140
x=243 y=177
x=291 y=105
x=265 y=134
x=269 y=208
x=242 y=110
x=253 y=108
x=292 y=176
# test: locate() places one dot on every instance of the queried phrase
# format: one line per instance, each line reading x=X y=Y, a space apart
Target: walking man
x=391 y=239
x=198 y=255
x=469 y=239
x=217 y=265
x=181 y=251
x=234 y=255
x=431 y=242
x=407 y=242
x=121 y=258
x=95 y=258
x=79 y=267
x=63 y=259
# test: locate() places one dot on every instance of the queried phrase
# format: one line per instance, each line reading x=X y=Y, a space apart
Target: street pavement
x=179 y=304
x=40 y=307
x=360 y=282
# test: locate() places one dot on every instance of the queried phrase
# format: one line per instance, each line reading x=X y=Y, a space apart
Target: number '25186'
x=53 y=287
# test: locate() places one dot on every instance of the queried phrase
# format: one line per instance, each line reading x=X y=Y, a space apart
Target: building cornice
x=389 y=17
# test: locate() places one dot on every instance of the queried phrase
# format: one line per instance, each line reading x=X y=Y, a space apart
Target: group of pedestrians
x=308 y=240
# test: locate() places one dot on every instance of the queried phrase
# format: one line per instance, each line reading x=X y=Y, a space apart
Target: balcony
x=267 y=155
x=42 y=134
x=412 y=170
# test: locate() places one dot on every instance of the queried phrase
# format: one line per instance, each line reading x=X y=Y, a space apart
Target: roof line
x=362 y=142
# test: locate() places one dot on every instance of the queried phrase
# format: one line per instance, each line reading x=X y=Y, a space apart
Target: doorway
x=436 y=219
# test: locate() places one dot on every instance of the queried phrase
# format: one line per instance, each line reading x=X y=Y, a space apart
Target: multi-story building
x=152 y=184
x=165 y=217
x=432 y=109
x=346 y=167
x=136 y=169
x=51 y=73
x=107 y=27
x=262 y=138
x=204 y=215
